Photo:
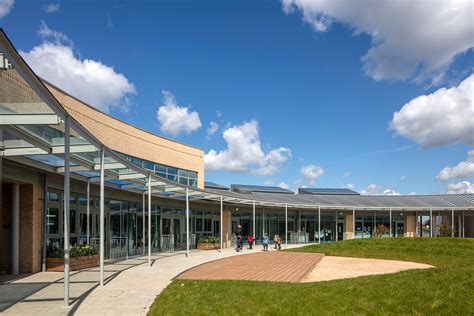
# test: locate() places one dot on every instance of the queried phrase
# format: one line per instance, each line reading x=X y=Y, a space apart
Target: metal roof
x=339 y=191
x=212 y=185
x=248 y=188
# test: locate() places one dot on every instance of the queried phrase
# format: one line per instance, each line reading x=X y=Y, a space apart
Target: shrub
x=445 y=230
x=74 y=252
x=209 y=240
x=381 y=230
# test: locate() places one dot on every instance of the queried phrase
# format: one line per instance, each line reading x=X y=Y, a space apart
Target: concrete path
x=130 y=289
x=264 y=266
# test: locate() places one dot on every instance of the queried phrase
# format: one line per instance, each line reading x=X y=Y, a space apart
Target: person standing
x=250 y=241
x=239 y=241
x=279 y=242
x=265 y=242
x=275 y=240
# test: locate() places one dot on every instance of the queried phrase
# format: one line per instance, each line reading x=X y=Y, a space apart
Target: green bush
x=74 y=252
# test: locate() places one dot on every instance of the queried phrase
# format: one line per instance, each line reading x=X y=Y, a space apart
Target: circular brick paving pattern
x=264 y=266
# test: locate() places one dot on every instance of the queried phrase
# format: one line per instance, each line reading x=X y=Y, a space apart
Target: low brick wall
x=57 y=264
x=208 y=246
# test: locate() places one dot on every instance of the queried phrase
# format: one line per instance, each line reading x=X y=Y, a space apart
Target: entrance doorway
x=399 y=229
x=340 y=231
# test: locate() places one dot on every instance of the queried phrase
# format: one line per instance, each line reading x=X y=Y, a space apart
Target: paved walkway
x=130 y=289
x=264 y=266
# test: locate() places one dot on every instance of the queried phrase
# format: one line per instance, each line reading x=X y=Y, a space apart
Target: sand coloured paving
x=264 y=266
x=333 y=268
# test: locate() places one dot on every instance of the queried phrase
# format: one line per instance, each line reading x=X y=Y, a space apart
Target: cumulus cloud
x=310 y=174
x=5 y=7
x=175 y=119
x=349 y=186
x=442 y=118
x=51 y=7
x=212 y=129
x=463 y=170
x=89 y=80
x=244 y=152
x=374 y=189
x=346 y=174
x=283 y=185
x=409 y=38
x=460 y=187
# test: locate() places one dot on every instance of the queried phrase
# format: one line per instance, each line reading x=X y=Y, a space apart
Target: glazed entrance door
x=340 y=231
x=399 y=228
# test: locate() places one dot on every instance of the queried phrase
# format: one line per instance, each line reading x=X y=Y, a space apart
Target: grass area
x=447 y=289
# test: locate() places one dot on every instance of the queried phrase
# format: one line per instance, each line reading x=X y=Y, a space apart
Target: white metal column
x=66 y=208
x=143 y=222
x=390 y=223
x=102 y=216
x=319 y=224
x=286 y=223
x=222 y=224
x=353 y=222
x=15 y=261
x=187 y=222
x=431 y=222
x=149 y=220
x=88 y=211
x=452 y=222
x=263 y=221
x=253 y=226
x=463 y=224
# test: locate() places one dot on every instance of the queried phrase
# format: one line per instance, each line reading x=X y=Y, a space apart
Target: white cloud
x=175 y=119
x=409 y=38
x=371 y=189
x=110 y=24
x=244 y=152
x=403 y=178
x=442 y=118
x=460 y=187
x=283 y=185
x=390 y=192
x=89 y=80
x=463 y=170
x=51 y=7
x=346 y=175
x=5 y=7
x=374 y=189
x=310 y=174
x=349 y=186
x=212 y=129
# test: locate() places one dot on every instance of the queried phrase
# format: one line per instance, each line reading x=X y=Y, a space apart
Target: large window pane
x=52 y=221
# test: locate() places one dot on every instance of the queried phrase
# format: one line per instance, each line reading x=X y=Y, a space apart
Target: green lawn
x=447 y=289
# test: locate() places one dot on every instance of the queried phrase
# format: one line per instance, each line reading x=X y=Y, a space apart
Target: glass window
x=183 y=180
x=115 y=205
x=53 y=196
x=192 y=175
x=135 y=161
x=160 y=174
x=198 y=224
x=52 y=221
x=160 y=168
x=148 y=165
x=72 y=222
x=192 y=183
x=172 y=177
x=172 y=170
x=182 y=173
x=207 y=224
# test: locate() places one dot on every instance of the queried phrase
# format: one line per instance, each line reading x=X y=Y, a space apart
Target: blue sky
x=287 y=82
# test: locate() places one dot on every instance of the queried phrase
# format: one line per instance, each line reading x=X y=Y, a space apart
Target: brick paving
x=265 y=266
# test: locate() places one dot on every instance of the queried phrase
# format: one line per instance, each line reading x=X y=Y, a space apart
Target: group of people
x=250 y=240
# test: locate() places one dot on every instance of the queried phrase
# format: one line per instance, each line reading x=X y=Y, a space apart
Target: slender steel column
x=102 y=216
x=263 y=221
x=66 y=208
x=286 y=223
x=431 y=222
x=463 y=223
x=319 y=224
x=88 y=210
x=45 y=213
x=149 y=220
x=15 y=228
x=222 y=223
x=391 y=223
x=353 y=222
x=143 y=223
x=452 y=222
x=187 y=222
x=253 y=226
